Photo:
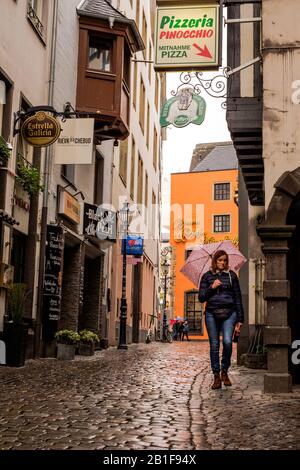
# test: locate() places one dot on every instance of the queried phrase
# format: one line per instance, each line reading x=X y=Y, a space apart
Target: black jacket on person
x=226 y=296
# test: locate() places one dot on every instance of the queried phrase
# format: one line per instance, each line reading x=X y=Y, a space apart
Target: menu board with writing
x=53 y=272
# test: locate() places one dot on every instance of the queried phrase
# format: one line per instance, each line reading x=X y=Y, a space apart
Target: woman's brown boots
x=217 y=382
x=225 y=379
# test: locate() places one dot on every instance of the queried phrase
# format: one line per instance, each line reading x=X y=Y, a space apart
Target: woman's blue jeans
x=214 y=329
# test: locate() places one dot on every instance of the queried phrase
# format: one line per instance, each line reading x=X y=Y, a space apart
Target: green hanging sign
x=183 y=109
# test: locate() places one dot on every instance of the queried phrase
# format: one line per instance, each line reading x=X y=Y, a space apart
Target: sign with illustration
x=53 y=272
x=99 y=222
x=187 y=38
x=134 y=245
x=183 y=109
x=41 y=129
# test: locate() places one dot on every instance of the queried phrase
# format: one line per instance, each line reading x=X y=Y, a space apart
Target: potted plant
x=87 y=342
x=67 y=341
x=15 y=328
x=4 y=152
x=28 y=177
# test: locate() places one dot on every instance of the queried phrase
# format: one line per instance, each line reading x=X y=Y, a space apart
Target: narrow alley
x=152 y=396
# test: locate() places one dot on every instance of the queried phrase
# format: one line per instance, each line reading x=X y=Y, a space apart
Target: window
x=221 y=191
x=142 y=105
x=100 y=54
x=137 y=20
x=193 y=312
x=99 y=173
x=123 y=161
x=146 y=189
x=126 y=67
x=156 y=91
x=150 y=65
x=153 y=214
x=68 y=172
x=140 y=181
x=221 y=223
x=132 y=177
x=155 y=141
x=144 y=33
x=34 y=14
x=5 y=106
x=148 y=125
x=135 y=83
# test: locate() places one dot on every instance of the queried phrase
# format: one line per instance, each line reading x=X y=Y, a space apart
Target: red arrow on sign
x=203 y=51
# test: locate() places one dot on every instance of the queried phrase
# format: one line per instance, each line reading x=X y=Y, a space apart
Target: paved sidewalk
x=154 y=396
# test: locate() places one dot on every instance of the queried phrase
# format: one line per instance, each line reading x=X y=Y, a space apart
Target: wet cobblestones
x=154 y=396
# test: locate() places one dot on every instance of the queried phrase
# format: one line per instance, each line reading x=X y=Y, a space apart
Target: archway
x=280 y=234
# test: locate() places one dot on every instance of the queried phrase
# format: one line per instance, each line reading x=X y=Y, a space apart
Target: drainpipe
x=46 y=182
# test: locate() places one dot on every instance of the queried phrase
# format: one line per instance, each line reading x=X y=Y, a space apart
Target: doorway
x=293 y=275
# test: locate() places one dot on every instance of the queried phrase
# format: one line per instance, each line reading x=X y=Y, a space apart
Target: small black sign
x=53 y=272
x=100 y=222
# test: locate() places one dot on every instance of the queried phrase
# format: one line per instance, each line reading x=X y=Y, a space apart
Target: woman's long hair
x=215 y=257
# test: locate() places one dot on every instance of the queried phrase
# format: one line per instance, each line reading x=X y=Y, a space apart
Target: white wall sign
x=75 y=143
x=187 y=38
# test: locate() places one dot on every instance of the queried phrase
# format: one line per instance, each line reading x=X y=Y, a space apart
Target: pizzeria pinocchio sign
x=187 y=38
x=40 y=130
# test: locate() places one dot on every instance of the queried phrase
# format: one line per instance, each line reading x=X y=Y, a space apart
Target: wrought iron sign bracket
x=68 y=112
x=216 y=87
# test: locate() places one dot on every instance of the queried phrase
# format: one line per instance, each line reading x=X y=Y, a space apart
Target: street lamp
x=124 y=214
x=165 y=271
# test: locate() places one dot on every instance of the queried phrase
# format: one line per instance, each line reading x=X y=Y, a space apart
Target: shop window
x=100 y=54
x=221 y=223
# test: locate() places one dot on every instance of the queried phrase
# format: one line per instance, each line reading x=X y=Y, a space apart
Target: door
x=193 y=312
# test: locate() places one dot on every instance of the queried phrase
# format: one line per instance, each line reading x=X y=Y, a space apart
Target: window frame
x=223 y=183
x=101 y=39
x=214 y=226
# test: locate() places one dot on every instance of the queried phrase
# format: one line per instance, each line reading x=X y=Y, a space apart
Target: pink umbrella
x=200 y=259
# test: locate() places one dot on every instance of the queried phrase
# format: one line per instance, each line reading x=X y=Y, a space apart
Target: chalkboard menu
x=53 y=272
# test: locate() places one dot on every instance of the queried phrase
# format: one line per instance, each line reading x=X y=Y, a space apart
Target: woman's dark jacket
x=226 y=296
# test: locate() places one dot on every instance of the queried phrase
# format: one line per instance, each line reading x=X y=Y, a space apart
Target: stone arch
x=276 y=235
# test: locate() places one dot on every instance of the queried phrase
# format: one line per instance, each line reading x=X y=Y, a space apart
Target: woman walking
x=220 y=289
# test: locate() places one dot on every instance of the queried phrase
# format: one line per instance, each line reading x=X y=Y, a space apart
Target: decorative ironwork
x=34 y=19
x=67 y=112
x=216 y=87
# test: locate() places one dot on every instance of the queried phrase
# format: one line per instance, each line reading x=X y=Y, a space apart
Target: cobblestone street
x=154 y=396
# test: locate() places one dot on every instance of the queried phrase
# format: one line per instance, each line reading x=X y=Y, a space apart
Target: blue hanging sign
x=134 y=245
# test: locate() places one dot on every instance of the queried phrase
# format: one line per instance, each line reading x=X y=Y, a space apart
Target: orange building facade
x=203 y=210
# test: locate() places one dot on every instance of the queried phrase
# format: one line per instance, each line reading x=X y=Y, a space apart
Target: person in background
x=185 y=331
x=220 y=289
